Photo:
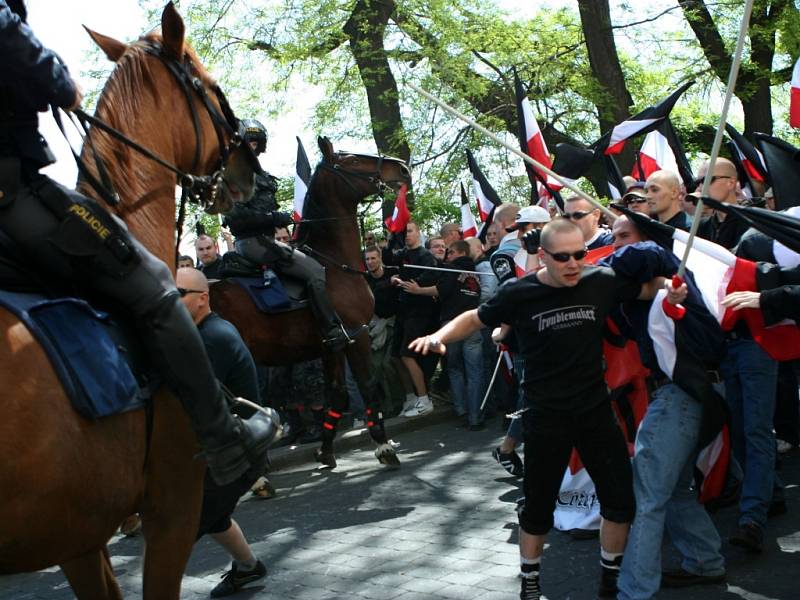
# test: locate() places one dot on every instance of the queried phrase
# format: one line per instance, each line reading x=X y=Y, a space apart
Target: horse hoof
x=386 y=455
x=326 y=458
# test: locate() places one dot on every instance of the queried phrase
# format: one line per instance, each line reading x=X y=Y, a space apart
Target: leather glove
x=530 y=241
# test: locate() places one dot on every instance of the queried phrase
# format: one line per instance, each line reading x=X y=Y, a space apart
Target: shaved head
x=191 y=278
x=664 y=192
x=725 y=180
x=193 y=287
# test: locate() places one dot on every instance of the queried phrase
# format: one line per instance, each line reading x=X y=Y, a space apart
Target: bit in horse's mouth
x=236 y=194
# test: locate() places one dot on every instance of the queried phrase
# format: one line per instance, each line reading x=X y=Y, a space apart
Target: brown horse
x=67 y=482
x=330 y=233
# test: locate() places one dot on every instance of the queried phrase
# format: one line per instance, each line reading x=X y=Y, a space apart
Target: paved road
x=441 y=527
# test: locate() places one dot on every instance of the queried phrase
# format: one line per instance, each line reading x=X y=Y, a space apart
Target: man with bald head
x=724 y=186
x=581 y=212
x=234 y=367
x=625 y=232
x=664 y=194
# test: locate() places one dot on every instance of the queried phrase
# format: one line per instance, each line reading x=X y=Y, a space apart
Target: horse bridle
x=199 y=189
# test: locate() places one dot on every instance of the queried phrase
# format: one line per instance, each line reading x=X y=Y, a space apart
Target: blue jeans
x=750 y=382
x=465 y=370
x=666 y=448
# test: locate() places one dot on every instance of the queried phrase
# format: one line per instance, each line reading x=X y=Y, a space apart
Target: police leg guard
x=232 y=446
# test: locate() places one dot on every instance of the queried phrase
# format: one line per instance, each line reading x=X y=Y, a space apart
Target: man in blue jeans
x=670 y=434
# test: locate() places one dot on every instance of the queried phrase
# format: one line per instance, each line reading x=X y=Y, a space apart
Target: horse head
x=364 y=174
x=161 y=96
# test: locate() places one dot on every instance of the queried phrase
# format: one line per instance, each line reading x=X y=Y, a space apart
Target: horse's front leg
x=359 y=356
x=336 y=394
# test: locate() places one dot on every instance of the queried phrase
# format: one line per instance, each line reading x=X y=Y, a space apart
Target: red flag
x=794 y=102
x=400 y=216
x=469 y=228
x=532 y=143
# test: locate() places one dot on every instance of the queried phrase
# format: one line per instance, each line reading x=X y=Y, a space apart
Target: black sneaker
x=748 y=536
x=608 y=583
x=510 y=461
x=529 y=589
x=234 y=580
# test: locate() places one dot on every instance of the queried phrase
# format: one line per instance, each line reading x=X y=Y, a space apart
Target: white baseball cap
x=530 y=214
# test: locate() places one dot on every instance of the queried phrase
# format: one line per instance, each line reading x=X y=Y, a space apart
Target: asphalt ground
x=442 y=526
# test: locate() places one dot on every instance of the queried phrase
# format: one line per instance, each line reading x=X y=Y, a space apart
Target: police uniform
x=253 y=223
x=66 y=234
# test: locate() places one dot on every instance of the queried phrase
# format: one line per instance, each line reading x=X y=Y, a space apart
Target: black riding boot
x=232 y=446
x=334 y=334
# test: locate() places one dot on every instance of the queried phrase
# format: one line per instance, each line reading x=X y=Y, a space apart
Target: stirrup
x=342 y=337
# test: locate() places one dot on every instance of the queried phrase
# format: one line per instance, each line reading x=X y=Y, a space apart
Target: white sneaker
x=423 y=406
x=783 y=446
x=411 y=400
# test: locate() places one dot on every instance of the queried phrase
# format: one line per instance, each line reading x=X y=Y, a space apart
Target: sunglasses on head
x=577 y=215
x=635 y=200
x=184 y=291
x=563 y=257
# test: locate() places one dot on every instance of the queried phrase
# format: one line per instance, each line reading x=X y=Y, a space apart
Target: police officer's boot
x=232 y=446
x=335 y=335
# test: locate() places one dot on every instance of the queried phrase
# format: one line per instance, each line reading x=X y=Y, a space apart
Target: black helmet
x=255 y=132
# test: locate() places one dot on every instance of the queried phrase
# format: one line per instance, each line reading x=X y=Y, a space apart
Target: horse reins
x=199 y=189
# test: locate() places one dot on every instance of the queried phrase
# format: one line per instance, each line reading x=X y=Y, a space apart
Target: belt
x=657 y=381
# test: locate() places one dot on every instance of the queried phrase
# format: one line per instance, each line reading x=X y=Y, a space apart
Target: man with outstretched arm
x=558 y=315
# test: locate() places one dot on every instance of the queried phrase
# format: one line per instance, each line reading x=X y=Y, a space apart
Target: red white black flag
x=469 y=228
x=794 y=101
x=532 y=144
x=482 y=190
x=302 y=176
x=614 y=141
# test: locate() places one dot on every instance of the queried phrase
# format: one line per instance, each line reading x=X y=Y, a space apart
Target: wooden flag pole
x=737 y=60
x=535 y=163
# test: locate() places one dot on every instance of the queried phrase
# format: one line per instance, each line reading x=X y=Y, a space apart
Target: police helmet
x=254 y=131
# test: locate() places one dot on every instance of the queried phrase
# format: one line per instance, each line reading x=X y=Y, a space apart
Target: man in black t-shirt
x=558 y=316
x=417 y=315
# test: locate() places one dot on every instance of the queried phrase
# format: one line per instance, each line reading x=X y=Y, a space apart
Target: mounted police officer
x=254 y=222
x=66 y=234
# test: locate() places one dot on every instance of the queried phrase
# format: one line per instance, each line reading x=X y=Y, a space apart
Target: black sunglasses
x=563 y=257
x=577 y=215
x=635 y=200
x=699 y=181
x=184 y=291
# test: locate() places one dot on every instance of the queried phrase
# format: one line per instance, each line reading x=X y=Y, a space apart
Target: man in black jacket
x=254 y=222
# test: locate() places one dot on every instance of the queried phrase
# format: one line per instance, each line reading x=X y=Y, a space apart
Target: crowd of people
x=451 y=306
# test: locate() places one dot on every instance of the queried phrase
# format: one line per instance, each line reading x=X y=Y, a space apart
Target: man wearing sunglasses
x=720 y=228
x=635 y=198
x=587 y=218
x=558 y=315
x=664 y=194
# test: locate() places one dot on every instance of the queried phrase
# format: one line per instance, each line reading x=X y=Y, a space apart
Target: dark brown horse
x=340 y=182
x=67 y=482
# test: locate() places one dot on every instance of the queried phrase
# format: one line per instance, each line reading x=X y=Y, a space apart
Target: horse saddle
x=100 y=362
x=269 y=292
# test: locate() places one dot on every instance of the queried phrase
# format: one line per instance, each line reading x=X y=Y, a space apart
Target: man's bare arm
x=459 y=328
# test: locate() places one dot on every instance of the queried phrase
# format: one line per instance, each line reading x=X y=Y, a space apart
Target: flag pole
x=712 y=159
x=510 y=148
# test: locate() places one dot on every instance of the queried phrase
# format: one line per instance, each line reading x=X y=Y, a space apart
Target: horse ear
x=172 y=31
x=325 y=147
x=112 y=48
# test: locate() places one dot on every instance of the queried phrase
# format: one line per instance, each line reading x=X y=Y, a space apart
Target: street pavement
x=443 y=526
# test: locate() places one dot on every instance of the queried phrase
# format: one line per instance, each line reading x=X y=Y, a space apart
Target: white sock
x=529 y=567
x=610 y=560
x=424 y=398
x=248 y=565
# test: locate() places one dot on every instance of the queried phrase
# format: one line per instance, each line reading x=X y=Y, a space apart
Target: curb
x=290 y=456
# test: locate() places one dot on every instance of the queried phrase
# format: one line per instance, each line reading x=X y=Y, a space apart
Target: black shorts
x=549 y=439
x=410 y=328
x=219 y=502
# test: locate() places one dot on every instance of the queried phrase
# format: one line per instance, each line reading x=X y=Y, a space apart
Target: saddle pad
x=95 y=375
x=267 y=293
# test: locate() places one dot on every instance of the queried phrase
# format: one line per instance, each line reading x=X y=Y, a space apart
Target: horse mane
x=120 y=103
